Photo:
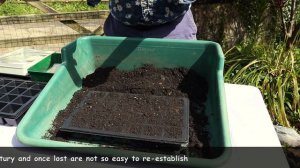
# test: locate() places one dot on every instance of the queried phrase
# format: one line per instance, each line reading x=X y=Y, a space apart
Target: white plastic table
x=249 y=123
x=252 y=133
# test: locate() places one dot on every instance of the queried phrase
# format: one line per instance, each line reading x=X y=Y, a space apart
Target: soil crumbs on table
x=147 y=80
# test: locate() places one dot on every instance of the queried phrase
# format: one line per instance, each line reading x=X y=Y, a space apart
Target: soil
x=147 y=80
x=137 y=116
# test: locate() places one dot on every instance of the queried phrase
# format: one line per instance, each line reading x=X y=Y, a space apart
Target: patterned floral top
x=148 y=12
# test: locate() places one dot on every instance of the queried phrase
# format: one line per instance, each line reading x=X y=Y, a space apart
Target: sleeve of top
x=186 y=1
x=93 y=3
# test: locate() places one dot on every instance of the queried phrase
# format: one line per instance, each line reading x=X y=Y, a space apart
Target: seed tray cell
x=21 y=100
x=2 y=104
x=6 y=81
x=17 y=91
x=124 y=116
x=16 y=96
x=8 y=98
x=11 y=108
x=5 y=89
x=26 y=84
x=31 y=92
x=14 y=83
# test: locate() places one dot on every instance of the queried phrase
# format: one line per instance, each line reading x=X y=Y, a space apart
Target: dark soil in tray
x=156 y=119
x=147 y=80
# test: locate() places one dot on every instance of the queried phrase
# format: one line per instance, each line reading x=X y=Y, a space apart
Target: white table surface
x=249 y=123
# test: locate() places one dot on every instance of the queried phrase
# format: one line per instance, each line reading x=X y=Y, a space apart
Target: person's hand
x=2 y=1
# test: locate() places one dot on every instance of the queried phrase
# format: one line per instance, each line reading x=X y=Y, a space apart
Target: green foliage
x=76 y=6
x=274 y=71
x=15 y=7
x=11 y=7
x=273 y=67
x=253 y=13
x=265 y=20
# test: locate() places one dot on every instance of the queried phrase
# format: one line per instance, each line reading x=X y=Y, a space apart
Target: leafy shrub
x=274 y=71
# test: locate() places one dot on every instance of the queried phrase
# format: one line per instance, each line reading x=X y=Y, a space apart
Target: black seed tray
x=16 y=96
x=140 y=127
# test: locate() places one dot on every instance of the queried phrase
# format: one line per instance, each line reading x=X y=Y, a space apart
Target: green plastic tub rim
x=83 y=56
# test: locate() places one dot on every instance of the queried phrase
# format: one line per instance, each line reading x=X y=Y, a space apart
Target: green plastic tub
x=42 y=71
x=83 y=56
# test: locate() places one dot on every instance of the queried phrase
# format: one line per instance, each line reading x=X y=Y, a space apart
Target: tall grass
x=274 y=71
